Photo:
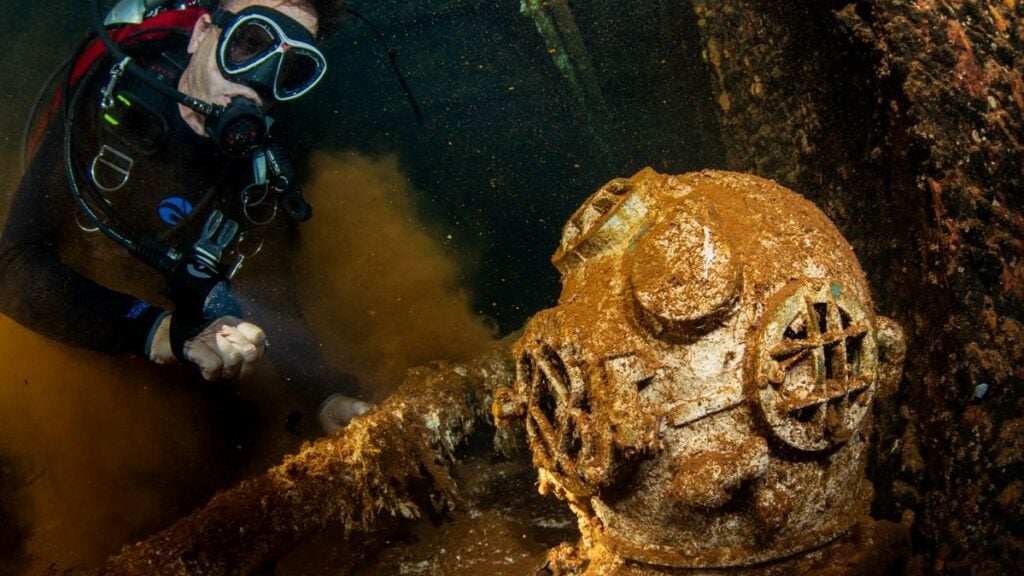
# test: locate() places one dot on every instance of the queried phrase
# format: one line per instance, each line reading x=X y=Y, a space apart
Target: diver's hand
x=160 y=342
x=226 y=349
x=338 y=410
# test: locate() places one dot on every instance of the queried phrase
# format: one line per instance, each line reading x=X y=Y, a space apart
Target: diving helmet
x=701 y=394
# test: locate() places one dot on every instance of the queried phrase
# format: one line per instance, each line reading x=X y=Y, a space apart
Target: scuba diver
x=164 y=135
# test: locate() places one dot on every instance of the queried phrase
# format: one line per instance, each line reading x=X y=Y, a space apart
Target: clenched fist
x=226 y=349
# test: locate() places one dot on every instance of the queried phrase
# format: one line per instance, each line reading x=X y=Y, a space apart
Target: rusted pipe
x=390 y=463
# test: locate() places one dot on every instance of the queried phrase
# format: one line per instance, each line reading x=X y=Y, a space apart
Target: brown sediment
x=380 y=291
x=393 y=463
x=84 y=439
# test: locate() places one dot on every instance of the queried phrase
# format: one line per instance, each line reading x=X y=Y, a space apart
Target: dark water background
x=506 y=152
x=505 y=155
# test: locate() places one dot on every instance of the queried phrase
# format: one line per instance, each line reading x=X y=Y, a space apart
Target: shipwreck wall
x=902 y=120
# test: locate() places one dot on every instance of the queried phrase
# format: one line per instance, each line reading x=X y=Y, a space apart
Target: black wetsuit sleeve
x=38 y=290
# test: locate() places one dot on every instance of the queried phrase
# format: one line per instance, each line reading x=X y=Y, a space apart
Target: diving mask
x=269 y=52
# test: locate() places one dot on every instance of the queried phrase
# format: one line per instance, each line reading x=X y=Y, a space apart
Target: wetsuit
x=48 y=262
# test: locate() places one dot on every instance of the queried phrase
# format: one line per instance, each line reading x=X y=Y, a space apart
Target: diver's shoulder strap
x=155 y=28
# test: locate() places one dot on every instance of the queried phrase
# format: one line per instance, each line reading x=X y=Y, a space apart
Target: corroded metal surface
x=903 y=122
x=701 y=394
x=391 y=463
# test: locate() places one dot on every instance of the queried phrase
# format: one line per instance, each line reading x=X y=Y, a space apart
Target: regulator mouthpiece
x=239 y=129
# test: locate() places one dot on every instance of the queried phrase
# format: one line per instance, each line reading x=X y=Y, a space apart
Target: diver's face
x=202 y=78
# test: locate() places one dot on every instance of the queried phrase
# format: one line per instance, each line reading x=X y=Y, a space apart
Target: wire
x=393 y=57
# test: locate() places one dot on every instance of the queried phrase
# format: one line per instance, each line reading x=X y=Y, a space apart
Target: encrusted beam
x=391 y=463
x=556 y=24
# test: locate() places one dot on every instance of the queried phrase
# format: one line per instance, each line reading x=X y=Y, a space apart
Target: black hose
x=26 y=132
x=70 y=102
x=149 y=250
x=131 y=67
